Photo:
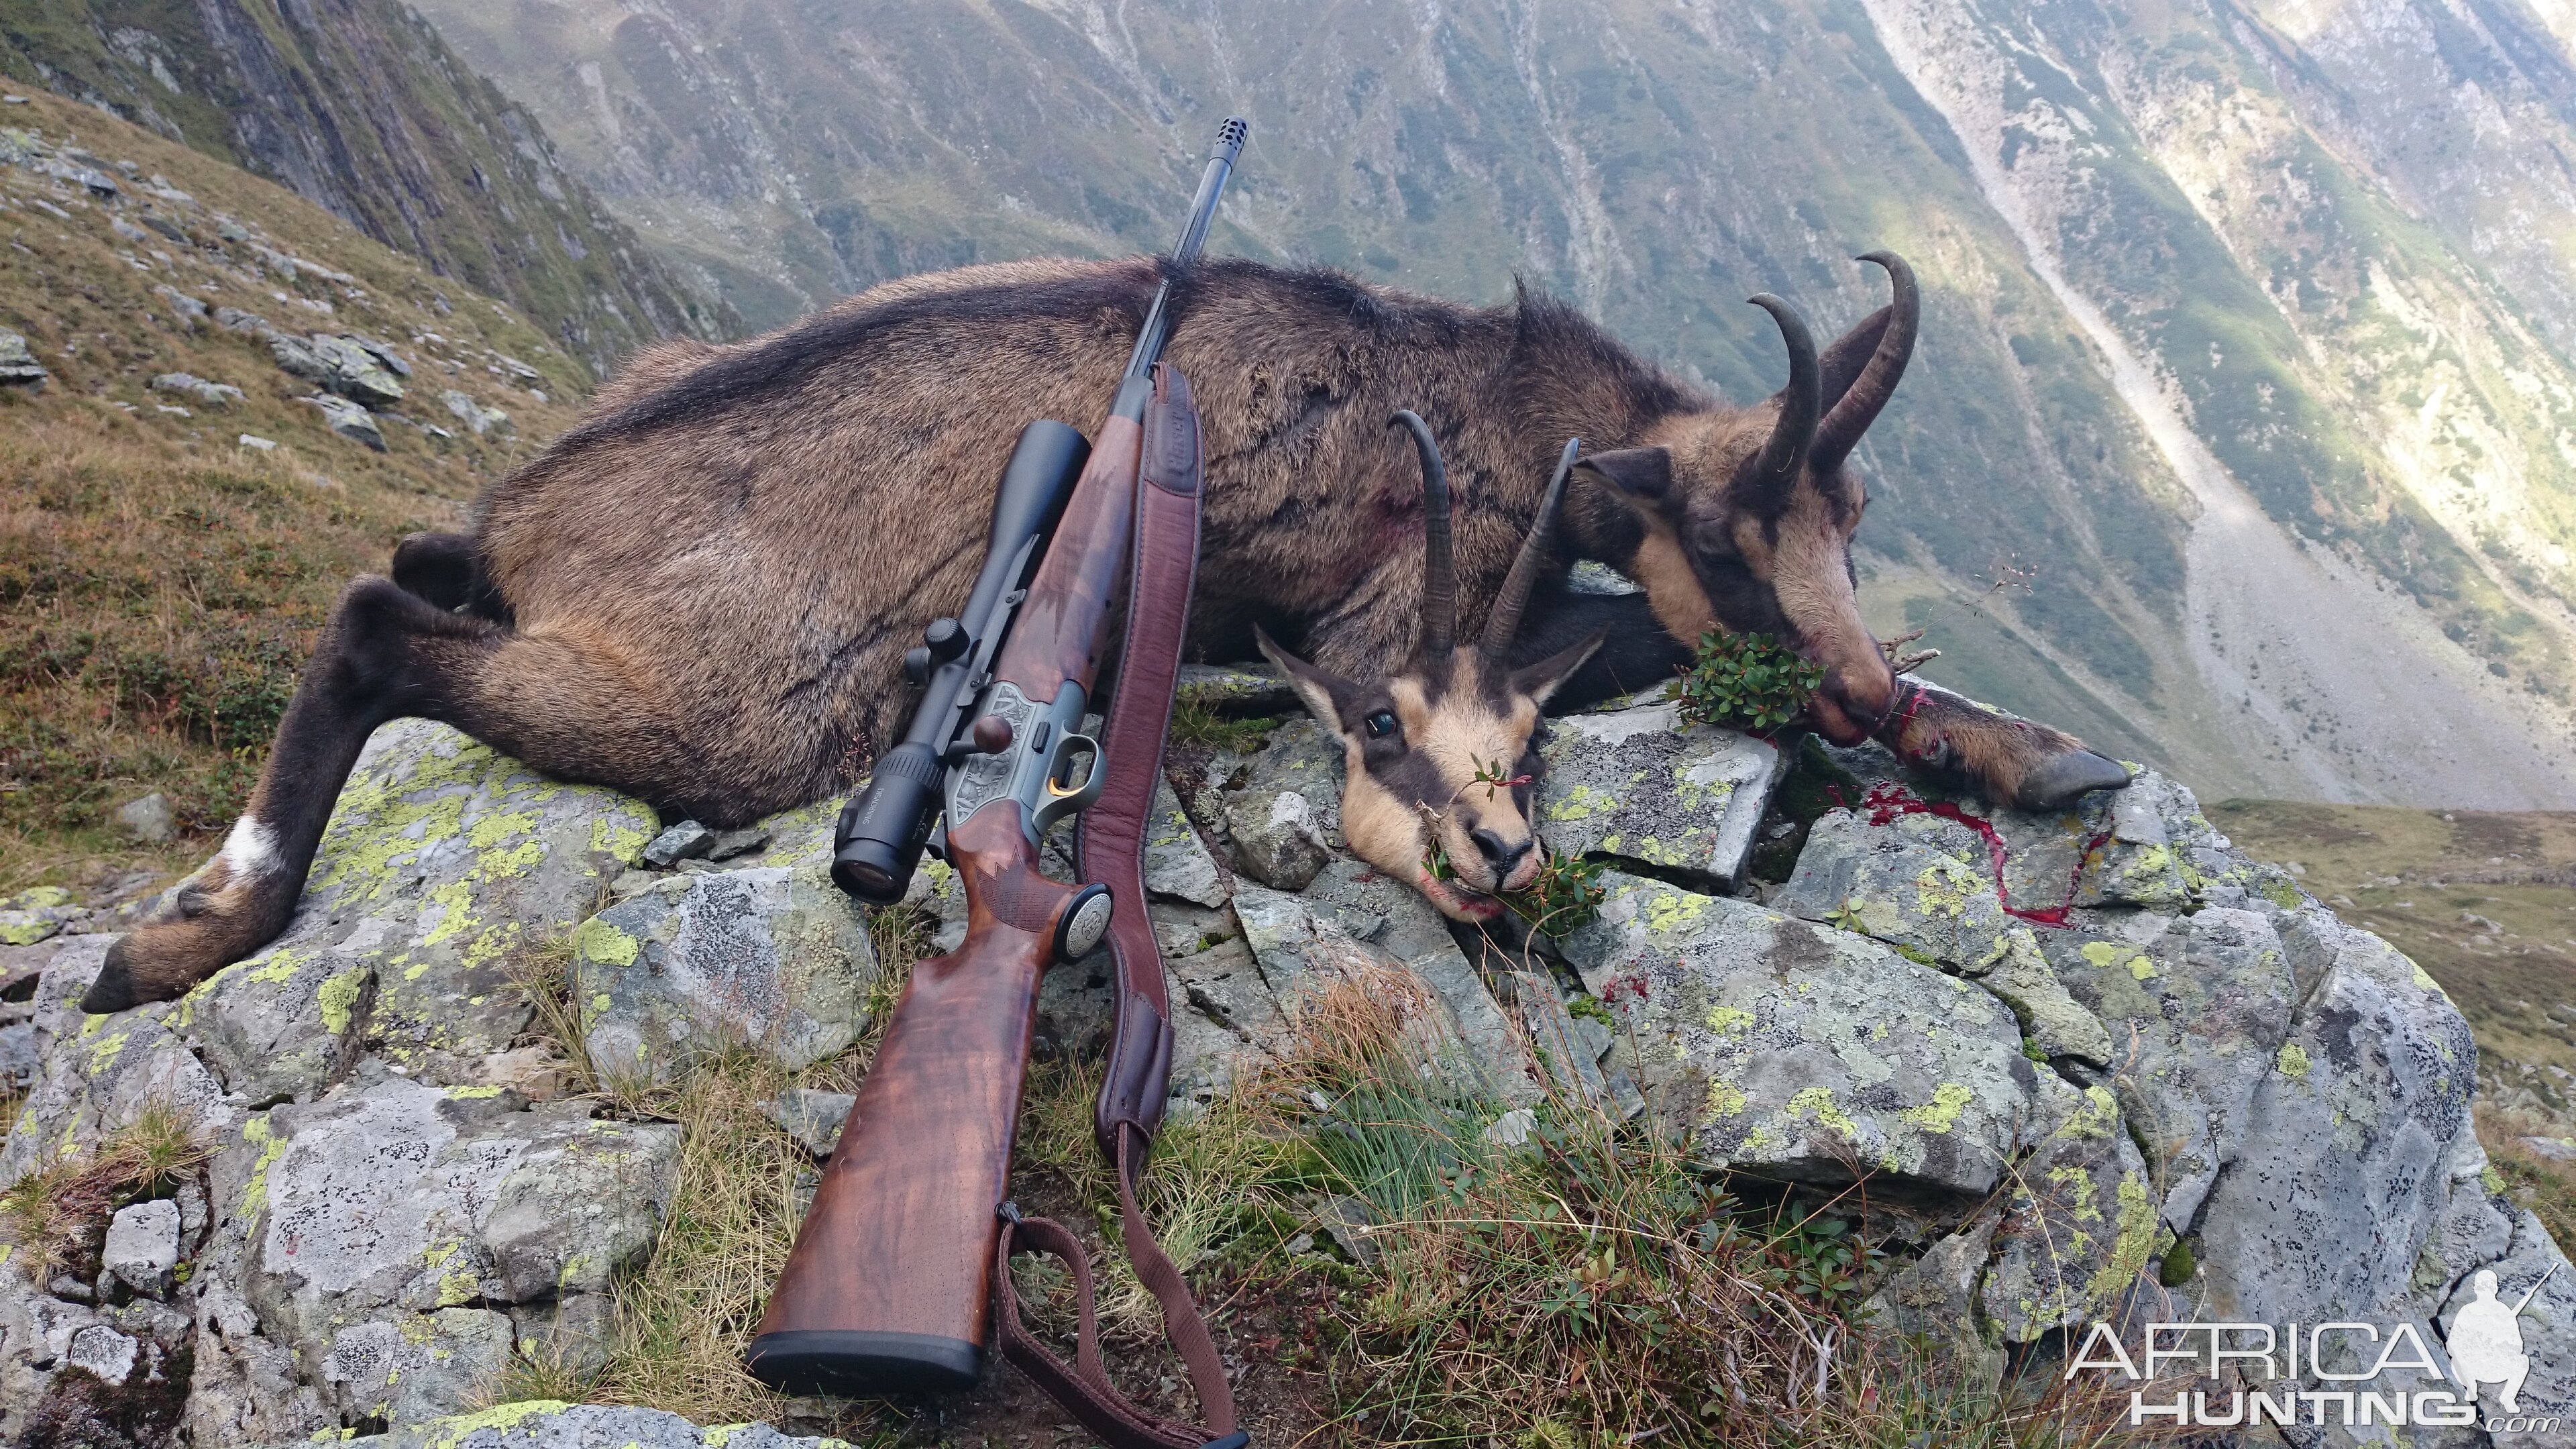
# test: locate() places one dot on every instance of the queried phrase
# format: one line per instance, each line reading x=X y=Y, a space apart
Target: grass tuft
x=53 y=1214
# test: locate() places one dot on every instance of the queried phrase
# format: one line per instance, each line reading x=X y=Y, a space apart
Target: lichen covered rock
x=770 y=954
x=1636 y=784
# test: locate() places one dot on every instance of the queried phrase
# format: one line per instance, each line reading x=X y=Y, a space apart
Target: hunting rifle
x=909 y=1238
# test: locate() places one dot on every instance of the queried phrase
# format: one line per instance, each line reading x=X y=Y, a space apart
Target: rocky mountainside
x=359 y=106
x=2099 y=1066
x=2235 y=441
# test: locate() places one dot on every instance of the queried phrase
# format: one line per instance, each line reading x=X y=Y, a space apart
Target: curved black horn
x=1505 y=620
x=1439 y=564
x=1859 y=405
x=1776 y=472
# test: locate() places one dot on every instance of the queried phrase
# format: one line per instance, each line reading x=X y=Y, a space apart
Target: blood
x=1887 y=800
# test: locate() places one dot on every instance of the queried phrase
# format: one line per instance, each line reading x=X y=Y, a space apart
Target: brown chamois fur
x=702 y=594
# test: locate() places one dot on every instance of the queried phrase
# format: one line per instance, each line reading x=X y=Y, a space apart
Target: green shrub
x=1748 y=682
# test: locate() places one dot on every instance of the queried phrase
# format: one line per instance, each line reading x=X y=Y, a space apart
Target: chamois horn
x=1859 y=405
x=1505 y=620
x=1775 y=473
x=1439 y=563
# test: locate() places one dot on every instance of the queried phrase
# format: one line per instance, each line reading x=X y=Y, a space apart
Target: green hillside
x=358 y=105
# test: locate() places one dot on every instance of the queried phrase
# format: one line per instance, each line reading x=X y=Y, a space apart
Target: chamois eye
x=1381 y=725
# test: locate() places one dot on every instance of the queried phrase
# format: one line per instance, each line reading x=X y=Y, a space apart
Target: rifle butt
x=890 y=1284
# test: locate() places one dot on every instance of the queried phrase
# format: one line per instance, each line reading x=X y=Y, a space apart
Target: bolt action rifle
x=909 y=1240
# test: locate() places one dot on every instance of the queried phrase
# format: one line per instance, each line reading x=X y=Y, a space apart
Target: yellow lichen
x=2293 y=1061
x=1940 y=1114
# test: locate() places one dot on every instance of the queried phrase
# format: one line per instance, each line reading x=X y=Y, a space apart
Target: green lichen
x=1724 y=1019
x=256 y=1133
x=449 y=1432
x=2135 y=1244
x=1940 y=1114
x=1819 y=1101
x=2293 y=1061
x=339 y=997
x=2097 y=1117
x=597 y=940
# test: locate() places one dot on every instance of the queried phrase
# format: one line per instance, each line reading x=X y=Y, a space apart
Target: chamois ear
x=1640 y=475
x=1541 y=680
x=1325 y=693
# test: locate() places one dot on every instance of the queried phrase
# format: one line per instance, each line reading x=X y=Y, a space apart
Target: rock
x=1278 y=840
x=234 y=319
x=349 y=420
x=2197 y=1008
x=1589 y=576
x=148 y=820
x=18 y=366
x=1802 y=1051
x=1910 y=883
x=418 y=1368
x=542 y=1424
x=684 y=841
x=100 y=1073
x=444 y=864
x=400 y=1200
x=737 y=842
x=103 y=1351
x=19 y=1059
x=191 y=311
x=354 y=372
x=1935 y=1297
x=773 y=956
x=571 y=1335
x=1347 y=1221
x=143 y=1246
x=382 y=352
x=477 y=418
x=36 y=915
x=2079 y=1224
x=245 y=1388
x=296 y=358
x=257 y=443
x=1513 y=1128
x=1245 y=690
x=212 y=394
x=813 y=1118
x=1177 y=862
x=1634 y=784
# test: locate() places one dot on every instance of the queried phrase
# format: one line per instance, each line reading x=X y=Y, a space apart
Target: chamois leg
x=2009 y=760
x=447 y=570
x=386 y=653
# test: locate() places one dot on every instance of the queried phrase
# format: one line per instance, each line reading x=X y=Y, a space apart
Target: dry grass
x=54 y=1214
x=160 y=584
x=2546 y=1185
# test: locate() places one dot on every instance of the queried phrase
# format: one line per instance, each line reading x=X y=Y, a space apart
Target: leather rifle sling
x=1109 y=848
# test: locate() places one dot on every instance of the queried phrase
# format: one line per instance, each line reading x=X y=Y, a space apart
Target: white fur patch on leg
x=251 y=849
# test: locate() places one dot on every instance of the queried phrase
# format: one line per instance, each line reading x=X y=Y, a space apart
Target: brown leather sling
x=1110 y=849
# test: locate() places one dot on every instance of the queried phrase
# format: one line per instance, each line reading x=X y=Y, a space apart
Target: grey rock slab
x=1802 y=1051
x=771 y=956
x=404 y=1196
x=103 y=1351
x=2079 y=1222
x=211 y=394
x=246 y=1387
x=349 y=420
x=732 y=843
x=444 y=864
x=2344 y=1152
x=1896 y=883
x=574 y=1333
x=813 y=1118
x=2197 y=1008
x=543 y=1424
x=18 y=365
x=356 y=373
x=1935 y=1296
x=143 y=1246
x=418 y=1367
x=1278 y=838
x=1637 y=784
x=1178 y=864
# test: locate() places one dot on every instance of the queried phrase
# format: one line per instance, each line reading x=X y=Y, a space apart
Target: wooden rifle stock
x=892 y=1273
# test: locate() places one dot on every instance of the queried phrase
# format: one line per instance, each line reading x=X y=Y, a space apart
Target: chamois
x=1441 y=756
x=701 y=594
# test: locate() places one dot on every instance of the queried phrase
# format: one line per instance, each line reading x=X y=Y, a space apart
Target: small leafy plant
x=1749 y=682
x=1566 y=893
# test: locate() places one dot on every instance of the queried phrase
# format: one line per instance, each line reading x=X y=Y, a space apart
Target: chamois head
x=1748 y=516
x=1442 y=755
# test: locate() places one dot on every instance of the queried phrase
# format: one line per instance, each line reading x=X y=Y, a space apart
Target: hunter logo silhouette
x=2485 y=1341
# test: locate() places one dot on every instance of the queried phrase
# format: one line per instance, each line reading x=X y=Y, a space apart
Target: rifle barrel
x=1220 y=165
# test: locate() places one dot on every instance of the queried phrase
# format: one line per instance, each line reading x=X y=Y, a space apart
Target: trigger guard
x=1060 y=803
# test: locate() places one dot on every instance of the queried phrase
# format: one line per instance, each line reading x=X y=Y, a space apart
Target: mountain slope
x=359 y=106
x=162 y=580
x=2222 y=447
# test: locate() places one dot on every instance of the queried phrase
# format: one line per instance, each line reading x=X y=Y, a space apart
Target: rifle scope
x=884 y=826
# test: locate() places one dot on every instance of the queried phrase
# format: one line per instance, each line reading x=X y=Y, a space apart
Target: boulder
x=211 y=394
x=37 y=914
x=1634 y=784
x=101 y=1073
x=684 y=841
x=477 y=418
x=773 y=956
x=349 y=420
x=445 y=867
x=148 y=820
x=1804 y=1052
x=355 y=372
x=418 y=1368
x=1177 y=863
x=18 y=366
x=813 y=1118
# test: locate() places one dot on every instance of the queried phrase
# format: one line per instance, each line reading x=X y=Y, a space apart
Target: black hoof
x=2068 y=778
x=114 y=988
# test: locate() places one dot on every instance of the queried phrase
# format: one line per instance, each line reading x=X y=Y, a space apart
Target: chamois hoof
x=158 y=960
x=2064 y=779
